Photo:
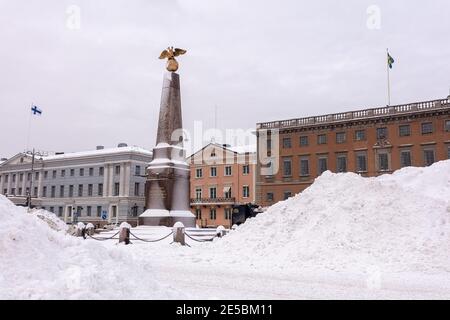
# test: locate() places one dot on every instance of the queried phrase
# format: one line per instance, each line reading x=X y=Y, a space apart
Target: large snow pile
x=398 y=222
x=52 y=220
x=39 y=262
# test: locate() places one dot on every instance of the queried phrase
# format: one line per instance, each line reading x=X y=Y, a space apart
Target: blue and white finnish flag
x=36 y=111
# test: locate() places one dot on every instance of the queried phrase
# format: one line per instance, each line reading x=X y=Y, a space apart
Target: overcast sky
x=100 y=84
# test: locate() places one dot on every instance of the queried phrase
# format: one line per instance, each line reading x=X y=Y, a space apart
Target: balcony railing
x=212 y=200
x=358 y=114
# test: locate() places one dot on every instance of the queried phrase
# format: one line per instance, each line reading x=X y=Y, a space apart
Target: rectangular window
x=405 y=158
x=227 y=192
x=21 y=177
x=137 y=188
x=6 y=178
x=117 y=170
x=45 y=174
x=322 y=139
x=341 y=163
x=361 y=162
x=14 y=178
x=287 y=167
x=304 y=167
x=198 y=193
x=60 y=211
x=245 y=191
x=80 y=190
x=71 y=191
x=88 y=211
x=227 y=213
x=383 y=162
x=81 y=172
x=101 y=171
x=287 y=195
x=20 y=192
x=340 y=137
x=269 y=196
x=13 y=191
x=245 y=169
x=54 y=174
x=269 y=144
x=99 y=211
x=90 y=190
x=100 y=189
x=427 y=128
x=198 y=173
x=404 y=130
x=36 y=176
x=72 y=172
x=212 y=213
x=137 y=170
x=116 y=189
x=79 y=210
x=61 y=191
x=382 y=133
x=91 y=172
x=322 y=165
x=114 y=211
x=52 y=209
x=287 y=143
x=63 y=173
x=213 y=171
x=44 y=192
x=213 y=192
x=228 y=170
x=447 y=125
x=29 y=175
x=428 y=157
x=198 y=214
x=304 y=141
x=35 y=192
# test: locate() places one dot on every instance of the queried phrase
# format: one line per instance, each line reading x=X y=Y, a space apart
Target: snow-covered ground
x=345 y=237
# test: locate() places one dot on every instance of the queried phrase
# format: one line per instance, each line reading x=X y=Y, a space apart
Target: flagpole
x=29 y=127
x=388 y=79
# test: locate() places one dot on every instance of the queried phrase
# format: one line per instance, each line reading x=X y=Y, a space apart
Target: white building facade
x=100 y=186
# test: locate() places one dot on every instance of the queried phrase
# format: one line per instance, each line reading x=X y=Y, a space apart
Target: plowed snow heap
x=39 y=262
x=398 y=222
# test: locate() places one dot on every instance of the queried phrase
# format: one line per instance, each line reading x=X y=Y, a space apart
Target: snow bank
x=52 y=220
x=398 y=222
x=37 y=262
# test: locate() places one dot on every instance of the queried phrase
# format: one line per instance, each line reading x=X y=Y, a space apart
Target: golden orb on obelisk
x=170 y=53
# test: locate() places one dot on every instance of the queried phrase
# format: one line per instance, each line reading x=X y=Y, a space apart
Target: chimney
x=122 y=145
x=99 y=148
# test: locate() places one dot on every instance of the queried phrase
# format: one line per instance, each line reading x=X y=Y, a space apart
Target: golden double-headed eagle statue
x=170 y=53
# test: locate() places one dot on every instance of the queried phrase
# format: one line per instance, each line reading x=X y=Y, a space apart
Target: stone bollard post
x=81 y=230
x=90 y=229
x=178 y=233
x=220 y=231
x=124 y=234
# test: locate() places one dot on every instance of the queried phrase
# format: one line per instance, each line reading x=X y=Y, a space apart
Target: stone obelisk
x=167 y=185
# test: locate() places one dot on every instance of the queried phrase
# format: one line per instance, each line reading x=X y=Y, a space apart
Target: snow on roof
x=243 y=149
x=238 y=149
x=134 y=149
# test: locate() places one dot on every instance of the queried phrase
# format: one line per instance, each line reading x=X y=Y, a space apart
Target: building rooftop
x=237 y=149
x=101 y=152
x=358 y=114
